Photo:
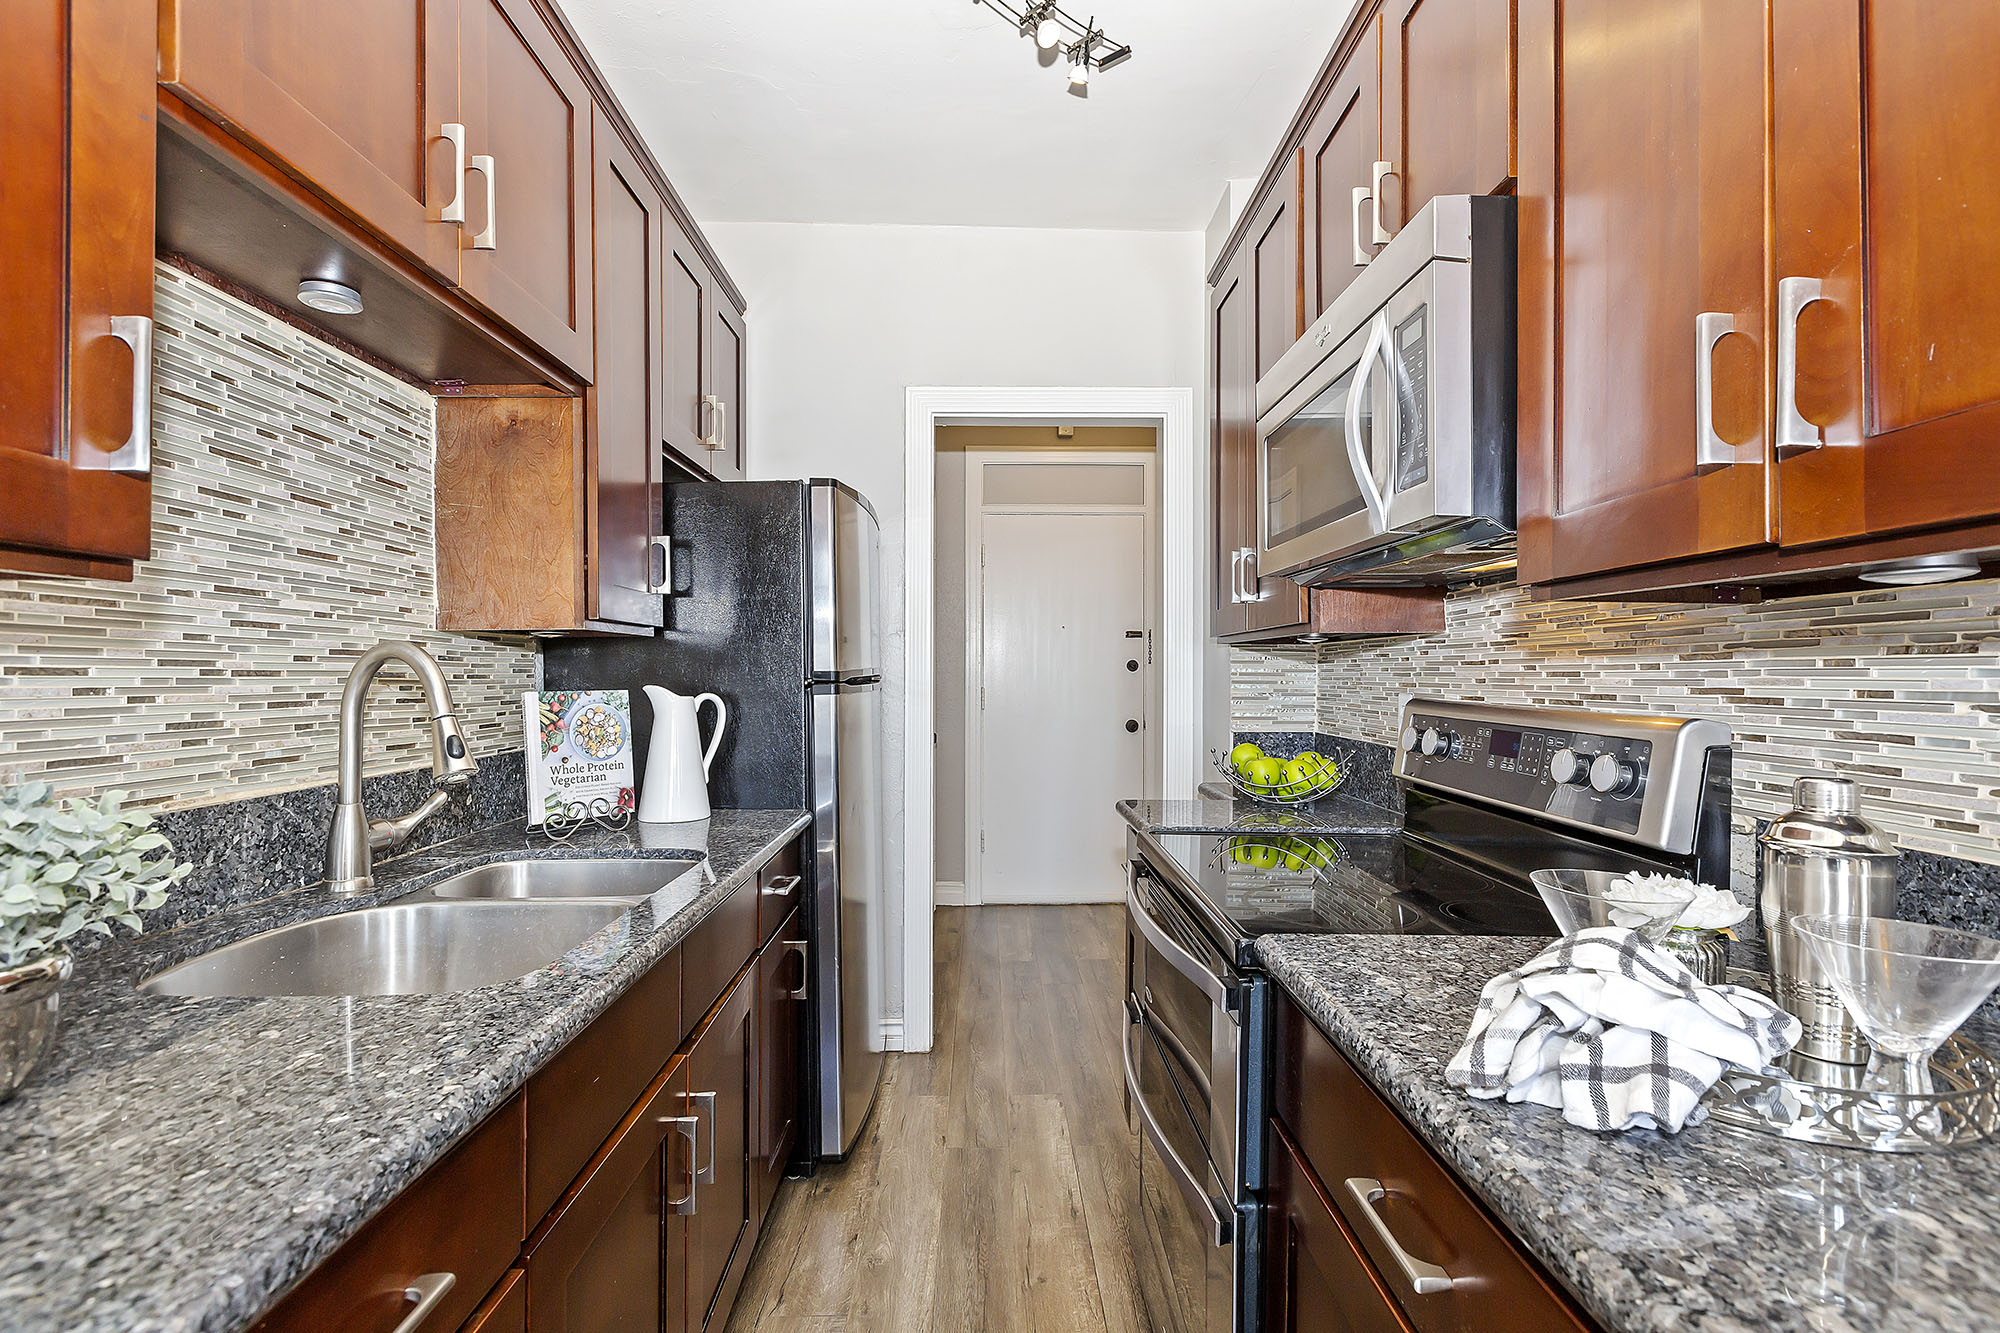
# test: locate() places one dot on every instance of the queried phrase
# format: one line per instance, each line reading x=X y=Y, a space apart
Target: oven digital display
x=1506 y=744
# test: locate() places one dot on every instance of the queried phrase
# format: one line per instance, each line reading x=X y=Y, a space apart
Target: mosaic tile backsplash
x=1898 y=690
x=292 y=530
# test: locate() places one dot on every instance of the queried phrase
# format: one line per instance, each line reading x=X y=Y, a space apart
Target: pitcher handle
x=721 y=721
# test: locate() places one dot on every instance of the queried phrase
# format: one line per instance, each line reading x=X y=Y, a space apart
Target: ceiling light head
x=330 y=298
x=1079 y=70
x=1048 y=32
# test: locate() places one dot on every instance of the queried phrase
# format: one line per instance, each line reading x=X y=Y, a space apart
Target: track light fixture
x=1083 y=45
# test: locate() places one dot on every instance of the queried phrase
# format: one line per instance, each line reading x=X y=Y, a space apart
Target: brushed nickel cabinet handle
x=1711 y=450
x=706 y=1175
x=1426 y=1279
x=1794 y=431
x=483 y=164
x=136 y=454
x=1253 y=579
x=721 y=423
x=662 y=546
x=805 y=971
x=1361 y=196
x=426 y=1291
x=1382 y=170
x=711 y=439
x=687 y=1127
x=454 y=212
x=780 y=886
x=1236 y=577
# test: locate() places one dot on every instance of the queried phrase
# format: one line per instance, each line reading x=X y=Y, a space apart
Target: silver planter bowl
x=29 y=996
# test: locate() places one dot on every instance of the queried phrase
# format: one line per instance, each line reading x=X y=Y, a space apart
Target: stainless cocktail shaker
x=1821 y=857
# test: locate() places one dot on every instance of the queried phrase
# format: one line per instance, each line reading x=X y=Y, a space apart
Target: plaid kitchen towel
x=1615 y=1033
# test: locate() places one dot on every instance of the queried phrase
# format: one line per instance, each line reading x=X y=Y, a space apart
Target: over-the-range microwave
x=1385 y=436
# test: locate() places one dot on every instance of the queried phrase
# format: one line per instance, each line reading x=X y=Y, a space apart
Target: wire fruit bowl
x=1279 y=858
x=1331 y=777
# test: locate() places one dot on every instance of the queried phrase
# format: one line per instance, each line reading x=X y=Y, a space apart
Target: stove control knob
x=1412 y=738
x=1612 y=776
x=1569 y=768
x=1440 y=744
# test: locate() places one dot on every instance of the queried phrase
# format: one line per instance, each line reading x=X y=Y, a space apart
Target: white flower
x=1709 y=908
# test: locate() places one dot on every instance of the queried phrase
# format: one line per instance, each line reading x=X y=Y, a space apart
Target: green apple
x=1264 y=773
x=1239 y=851
x=1243 y=754
x=1297 y=854
x=1264 y=856
x=1302 y=774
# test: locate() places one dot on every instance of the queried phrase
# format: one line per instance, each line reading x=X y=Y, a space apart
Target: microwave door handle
x=1364 y=466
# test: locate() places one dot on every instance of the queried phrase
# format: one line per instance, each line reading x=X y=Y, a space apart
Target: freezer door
x=848 y=901
x=846 y=574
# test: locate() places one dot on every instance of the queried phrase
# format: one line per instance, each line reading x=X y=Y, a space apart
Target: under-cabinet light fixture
x=1922 y=569
x=1083 y=44
x=331 y=298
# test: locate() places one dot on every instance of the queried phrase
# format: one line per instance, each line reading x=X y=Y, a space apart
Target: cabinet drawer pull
x=1711 y=450
x=454 y=134
x=1361 y=196
x=805 y=971
x=1383 y=170
x=136 y=454
x=780 y=886
x=664 y=548
x=1794 y=431
x=706 y=1175
x=426 y=1291
x=483 y=164
x=688 y=1128
x=1426 y=1279
x=711 y=439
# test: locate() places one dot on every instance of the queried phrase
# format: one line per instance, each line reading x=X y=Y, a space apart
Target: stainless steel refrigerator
x=776 y=608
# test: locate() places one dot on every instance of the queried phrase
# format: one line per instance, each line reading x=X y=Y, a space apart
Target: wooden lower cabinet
x=1315 y=1277
x=505 y=1309
x=781 y=1003
x=721 y=1073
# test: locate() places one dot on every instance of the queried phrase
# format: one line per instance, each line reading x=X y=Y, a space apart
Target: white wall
x=843 y=319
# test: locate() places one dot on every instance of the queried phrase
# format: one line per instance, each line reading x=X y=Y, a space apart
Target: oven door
x=1181 y=1047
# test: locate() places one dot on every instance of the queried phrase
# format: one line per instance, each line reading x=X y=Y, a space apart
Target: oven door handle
x=1221 y=1220
x=1171 y=949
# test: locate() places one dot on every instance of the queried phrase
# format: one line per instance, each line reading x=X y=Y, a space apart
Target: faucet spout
x=353 y=838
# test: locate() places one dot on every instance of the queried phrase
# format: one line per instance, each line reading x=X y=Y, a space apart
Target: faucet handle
x=386 y=834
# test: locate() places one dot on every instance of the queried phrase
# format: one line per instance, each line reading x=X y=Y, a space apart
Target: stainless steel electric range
x=1490 y=794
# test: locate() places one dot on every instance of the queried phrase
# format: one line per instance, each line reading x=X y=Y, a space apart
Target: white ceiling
x=935 y=111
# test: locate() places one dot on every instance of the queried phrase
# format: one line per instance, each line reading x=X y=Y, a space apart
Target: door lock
x=1131 y=724
x=1131 y=664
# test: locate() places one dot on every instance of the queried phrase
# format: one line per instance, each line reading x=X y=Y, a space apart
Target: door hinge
x=982 y=842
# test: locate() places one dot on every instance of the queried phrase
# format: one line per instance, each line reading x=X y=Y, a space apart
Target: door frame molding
x=1183 y=614
x=976 y=510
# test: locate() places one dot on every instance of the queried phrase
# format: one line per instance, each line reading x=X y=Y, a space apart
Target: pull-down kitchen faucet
x=354 y=838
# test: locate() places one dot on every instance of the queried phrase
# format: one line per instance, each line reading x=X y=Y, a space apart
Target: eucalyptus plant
x=74 y=865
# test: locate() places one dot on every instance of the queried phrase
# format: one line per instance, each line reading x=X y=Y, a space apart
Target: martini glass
x=1580 y=899
x=1908 y=986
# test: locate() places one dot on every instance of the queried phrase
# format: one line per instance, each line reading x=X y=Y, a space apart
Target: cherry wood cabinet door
x=1232 y=380
x=721 y=1072
x=76 y=224
x=604 y=1261
x=1448 y=90
x=781 y=1000
x=1885 y=189
x=727 y=357
x=525 y=247
x=1343 y=142
x=684 y=346
x=1642 y=279
x=1275 y=241
x=350 y=98
x=624 y=408
x=1316 y=1279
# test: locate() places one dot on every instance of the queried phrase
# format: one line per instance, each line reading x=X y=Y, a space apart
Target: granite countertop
x=1339 y=813
x=1710 y=1229
x=179 y=1163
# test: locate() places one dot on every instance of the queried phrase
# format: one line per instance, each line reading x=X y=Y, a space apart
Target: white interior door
x=1062 y=683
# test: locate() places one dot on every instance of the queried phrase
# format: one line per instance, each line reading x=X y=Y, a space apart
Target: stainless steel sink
x=419 y=948
x=629 y=879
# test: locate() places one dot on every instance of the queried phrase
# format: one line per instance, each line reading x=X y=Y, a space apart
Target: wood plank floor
x=993 y=1186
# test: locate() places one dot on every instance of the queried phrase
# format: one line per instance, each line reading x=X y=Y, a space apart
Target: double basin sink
x=482 y=926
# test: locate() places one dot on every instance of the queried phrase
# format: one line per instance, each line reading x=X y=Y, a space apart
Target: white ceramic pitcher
x=676 y=787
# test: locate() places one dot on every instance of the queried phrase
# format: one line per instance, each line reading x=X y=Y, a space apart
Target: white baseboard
x=892 y=1034
x=948 y=893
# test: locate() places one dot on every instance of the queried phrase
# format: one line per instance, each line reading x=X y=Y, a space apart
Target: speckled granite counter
x=180 y=1162
x=1710 y=1230
x=1339 y=813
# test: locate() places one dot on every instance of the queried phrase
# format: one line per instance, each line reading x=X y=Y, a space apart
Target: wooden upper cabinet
x=525 y=246
x=1448 y=94
x=684 y=340
x=1274 y=240
x=1342 y=145
x=353 y=99
x=1885 y=189
x=625 y=406
x=1232 y=373
x=727 y=350
x=76 y=223
x=1642 y=280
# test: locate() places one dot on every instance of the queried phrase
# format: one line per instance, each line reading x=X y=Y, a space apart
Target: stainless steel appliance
x=775 y=609
x=1385 y=436
x=1490 y=794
